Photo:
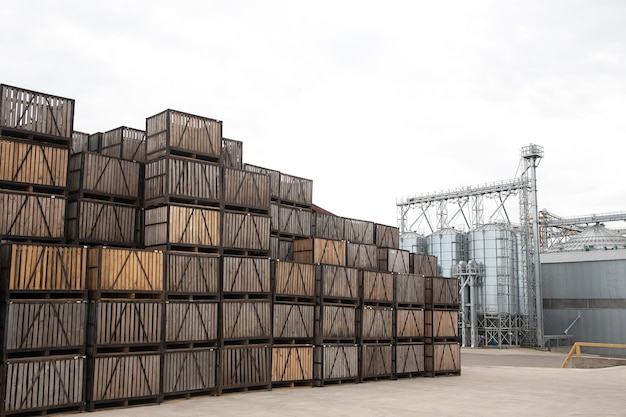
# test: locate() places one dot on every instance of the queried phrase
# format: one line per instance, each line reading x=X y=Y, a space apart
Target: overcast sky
x=371 y=100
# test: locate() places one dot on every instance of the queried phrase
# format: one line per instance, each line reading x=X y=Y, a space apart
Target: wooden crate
x=281 y=248
x=192 y=273
x=327 y=226
x=41 y=325
x=376 y=361
x=319 y=251
x=245 y=367
x=92 y=174
x=116 y=269
x=246 y=319
x=34 y=267
x=292 y=221
x=272 y=174
x=94 y=143
x=410 y=324
x=176 y=133
x=246 y=275
x=336 y=362
x=190 y=321
x=124 y=322
x=36 y=112
x=294 y=321
x=32 y=163
x=102 y=223
x=232 y=153
x=441 y=325
x=442 y=292
x=189 y=371
x=246 y=189
x=376 y=323
x=292 y=363
x=442 y=358
x=32 y=216
x=362 y=256
x=335 y=323
x=124 y=376
x=182 y=180
x=246 y=231
x=393 y=260
x=358 y=231
x=293 y=279
x=409 y=359
x=296 y=190
x=44 y=383
x=423 y=264
x=182 y=225
x=377 y=287
x=125 y=143
x=338 y=282
x=410 y=289
x=386 y=236
x=80 y=142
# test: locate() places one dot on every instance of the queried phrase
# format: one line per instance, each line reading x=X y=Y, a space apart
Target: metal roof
x=583 y=256
x=594 y=238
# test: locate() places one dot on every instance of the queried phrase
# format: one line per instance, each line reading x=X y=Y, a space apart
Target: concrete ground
x=493 y=382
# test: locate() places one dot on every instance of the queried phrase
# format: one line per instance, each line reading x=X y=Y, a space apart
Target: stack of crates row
x=139 y=266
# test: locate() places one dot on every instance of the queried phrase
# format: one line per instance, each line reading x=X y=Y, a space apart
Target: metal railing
x=576 y=349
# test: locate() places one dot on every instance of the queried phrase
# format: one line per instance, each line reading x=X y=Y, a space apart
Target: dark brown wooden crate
x=327 y=226
x=296 y=190
x=191 y=321
x=246 y=319
x=377 y=286
x=125 y=143
x=243 y=274
x=232 y=153
x=245 y=366
x=410 y=289
x=246 y=231
x=393 y=260
x=80 y=142
x=362 y=256
x=292 y=221
x=409 y=323
x=335 y=323
x=424 y=264
x=124 y=376
x=359 y=231
x=336 y=362
x=386 y=236
x=442 y=292
x=31 y=163
x=376 y=323
x=102 y=223
x=246 y=189
x=36 y=112
x=100 y=175
x=189 y=370
x=281 y=248
x=293 y=278
x=44 y=383
x=322 y=251
x=125 y=322
x=183 y=225
x=376 y=361
x=292 y=363
x=273 y=175
x=441 y=324
x=442 y=358
x=409 y=359
x=118 y=269
x=294 y=321
x=338 y=282
x=33 y=216
x=176 y=133
x=192 y=273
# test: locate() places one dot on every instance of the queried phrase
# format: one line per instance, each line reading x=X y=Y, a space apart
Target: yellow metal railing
x=576 y=349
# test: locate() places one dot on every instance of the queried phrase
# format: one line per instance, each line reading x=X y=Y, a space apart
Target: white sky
x=372 y=100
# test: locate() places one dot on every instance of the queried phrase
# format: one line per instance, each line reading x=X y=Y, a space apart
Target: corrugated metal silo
x=450 y=247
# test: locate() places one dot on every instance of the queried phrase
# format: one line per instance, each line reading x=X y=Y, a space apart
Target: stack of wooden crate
x=442 y=350
x=124 y=338
x=43 y=326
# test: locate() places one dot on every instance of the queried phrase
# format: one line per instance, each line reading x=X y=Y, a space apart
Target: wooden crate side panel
x=319 y=251
x=42 y=324
x=44 y=267
x=409 y=358
x=377 y=360
x=125 y=376
x=281 y=248
x=245 y=188
x=42 y=383
x=246 y=231
x=80 y=142
x=297 y=190
x=125 y=269
x=387 y=236
x=338 y=322
x=246 y=319
x=192 y=273
x=36 y=112
x=377 y=286
x=377 y=323
x=327 y=226
x=245 y=366
x=410 y=289
x=339 y=281
x=95 y=173
x=393 y=260
x=126 y=322
x=445 y=290
x=442 y=357
x=339 y=361
x=359 y=231
x=294 y=221
x=156 y=132
x=294 y=278
x=232 y=153
x=294 y=321
x=425 y=264
x=183 y=178
x=32 y=163
x=246 y=274
x=189 y=370
x=32 y=215
x=102 y=222
x=274 y=178
x=290 y=364
x=442 y=323
x=194 y=226
x=190 y=321
x=125 y=143
x=157 y=225
x=361 y=256
x=410 y=322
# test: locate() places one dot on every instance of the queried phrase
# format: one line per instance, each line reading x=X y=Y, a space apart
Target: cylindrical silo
x=413 y=242
x=450 y=247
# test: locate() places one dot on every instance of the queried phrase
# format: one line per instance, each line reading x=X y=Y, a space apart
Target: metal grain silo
x=413 y=242
x=450 y=247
